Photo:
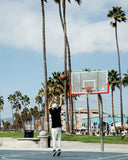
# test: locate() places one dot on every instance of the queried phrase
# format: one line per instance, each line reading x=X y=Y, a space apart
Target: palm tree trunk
x=69 y=65
x=88 y=114
x=75 y=118
x=39 y=115
x=113 y=110
x=70 y=96
x=45 y=69
x=65 y=69
x=42 y=122
x=71 y=115
x=121 y=103
x=12 y=114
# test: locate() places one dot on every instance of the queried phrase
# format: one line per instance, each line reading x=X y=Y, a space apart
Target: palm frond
x=78 y=1
x=57 y=1
x=118 y=14
x=113 y=24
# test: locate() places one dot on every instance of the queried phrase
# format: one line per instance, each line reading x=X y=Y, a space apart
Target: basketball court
x=66 y=155
x=83 y=83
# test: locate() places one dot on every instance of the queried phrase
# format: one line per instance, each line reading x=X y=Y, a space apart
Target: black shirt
x=55 y=115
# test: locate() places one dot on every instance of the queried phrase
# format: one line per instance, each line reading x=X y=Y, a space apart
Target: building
x=79 y=115
x=80 y=120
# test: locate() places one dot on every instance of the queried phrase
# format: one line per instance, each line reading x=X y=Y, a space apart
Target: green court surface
x=66 y=155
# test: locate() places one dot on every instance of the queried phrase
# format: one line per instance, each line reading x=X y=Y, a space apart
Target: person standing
x=55 y=110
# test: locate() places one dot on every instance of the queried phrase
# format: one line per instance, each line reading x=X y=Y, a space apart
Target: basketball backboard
x=96 y=80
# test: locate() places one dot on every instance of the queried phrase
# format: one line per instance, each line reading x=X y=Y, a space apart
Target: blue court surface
x=66 y=155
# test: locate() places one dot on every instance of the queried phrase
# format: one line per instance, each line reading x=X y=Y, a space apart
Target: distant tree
x=39 y=101
x=113 y=80
x=1 y=106
x=11 y=99
x=6 y=126
x=17 y=101
x=17 y=106
x=41 y=93
x=42 y=114
x=24 y=116
x=25 y=101
x=35 y=113
x=125 y=79
x=18 y=123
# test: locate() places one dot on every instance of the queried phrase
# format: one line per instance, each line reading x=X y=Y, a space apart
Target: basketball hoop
x=93 y=82
x=87 y=90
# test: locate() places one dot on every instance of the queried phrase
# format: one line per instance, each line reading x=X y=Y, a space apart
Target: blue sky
x=91 y=38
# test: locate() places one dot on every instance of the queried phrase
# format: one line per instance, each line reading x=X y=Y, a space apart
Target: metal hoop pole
x=101 y=123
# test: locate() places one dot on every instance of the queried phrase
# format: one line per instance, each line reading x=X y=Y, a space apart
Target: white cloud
x=91 y=37
x=20 y=27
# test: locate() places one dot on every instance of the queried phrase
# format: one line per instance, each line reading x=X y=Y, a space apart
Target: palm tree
x=11 y=99
x=55 y=84
x=125 y=79
x=56 y=87
x=25 y=100
x=88 y=114
x=42 y=91
x=42 y=114
x=17 y=99
x=1 y=106
x=42 y=94
x=65 y=66
x=69 y=60
x=17 y=124
x=113 y=80
x=35 y=114
x=17 y=106
x=119 y=16
x=39 y=102
x=6 y=126
x=18 y=95
x=24 y=116
x=45 y=68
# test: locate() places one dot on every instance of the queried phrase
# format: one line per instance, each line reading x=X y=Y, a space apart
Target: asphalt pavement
x=66 y=155
x=11 y=149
